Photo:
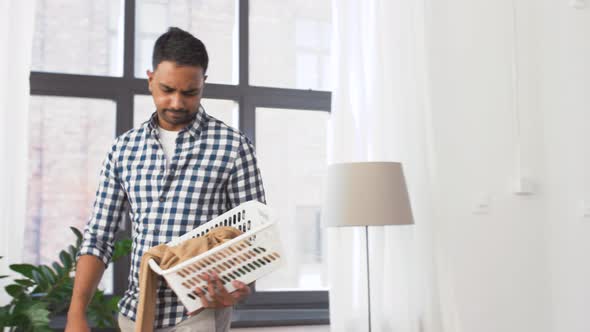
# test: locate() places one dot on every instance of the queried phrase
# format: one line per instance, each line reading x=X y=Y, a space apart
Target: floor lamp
x=366 y=194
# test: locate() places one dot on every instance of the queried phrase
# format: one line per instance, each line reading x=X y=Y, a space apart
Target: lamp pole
x=368 y=276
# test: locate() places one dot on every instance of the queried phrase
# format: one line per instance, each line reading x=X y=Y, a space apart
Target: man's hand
x=220 y=296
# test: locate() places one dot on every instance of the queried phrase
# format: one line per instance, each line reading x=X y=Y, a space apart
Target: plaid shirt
x=213 y=170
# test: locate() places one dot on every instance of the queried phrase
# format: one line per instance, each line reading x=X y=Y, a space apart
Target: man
x=177 y=170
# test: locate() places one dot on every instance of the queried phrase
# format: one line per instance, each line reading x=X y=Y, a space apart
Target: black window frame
x=262 y=308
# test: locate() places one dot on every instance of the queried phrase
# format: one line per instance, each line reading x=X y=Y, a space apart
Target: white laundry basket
x=246 y=258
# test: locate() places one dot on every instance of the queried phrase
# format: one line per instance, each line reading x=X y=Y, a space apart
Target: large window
x=291 y=145
x=268 y=76
x=64 y=161
x=79 y=37
x=290 y=44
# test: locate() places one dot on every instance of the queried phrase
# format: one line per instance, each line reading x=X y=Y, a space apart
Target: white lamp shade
x=366 y=194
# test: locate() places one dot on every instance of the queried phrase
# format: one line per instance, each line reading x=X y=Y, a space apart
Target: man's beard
x=179 y=116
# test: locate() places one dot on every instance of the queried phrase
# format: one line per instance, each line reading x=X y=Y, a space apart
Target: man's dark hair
x=179 y=46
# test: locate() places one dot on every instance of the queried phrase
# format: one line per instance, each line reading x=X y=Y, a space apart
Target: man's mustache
x=176 y=110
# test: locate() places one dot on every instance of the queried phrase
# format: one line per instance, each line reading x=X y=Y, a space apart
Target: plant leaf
x=58 y=269
x=6 y=318
x=14 y=290
x=113 y=303
x=25 y=282
x=38 y=316
x=20 y=314
x=48 y=274
x=40 y=280
x=122 y=248
x=24 y=269
x=66 y=259
x=73 y=251
x=102 y=310
x=79 y=236
x=46 y=290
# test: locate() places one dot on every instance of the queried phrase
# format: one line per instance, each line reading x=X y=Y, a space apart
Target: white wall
x=564 y=96
x=521 y=265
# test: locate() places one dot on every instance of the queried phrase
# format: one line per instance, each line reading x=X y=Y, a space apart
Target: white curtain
x=380 y=112
x=16 y=38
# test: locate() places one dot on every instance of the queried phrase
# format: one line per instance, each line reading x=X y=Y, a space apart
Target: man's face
x=177 y=92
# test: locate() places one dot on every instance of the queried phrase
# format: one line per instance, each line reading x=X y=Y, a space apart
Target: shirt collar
x=194 y=128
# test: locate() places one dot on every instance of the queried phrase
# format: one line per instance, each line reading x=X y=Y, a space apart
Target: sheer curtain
x=16 y=38
x=380 y=112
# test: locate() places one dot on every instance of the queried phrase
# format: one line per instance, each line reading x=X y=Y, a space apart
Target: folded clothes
x=168 y=257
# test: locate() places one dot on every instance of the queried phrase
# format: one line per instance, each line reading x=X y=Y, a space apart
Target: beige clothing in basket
x=168 y=257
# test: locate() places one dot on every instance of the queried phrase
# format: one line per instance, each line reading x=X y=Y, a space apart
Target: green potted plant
x=41 y=292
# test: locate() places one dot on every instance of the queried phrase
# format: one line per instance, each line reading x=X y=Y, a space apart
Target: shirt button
x=162 y=199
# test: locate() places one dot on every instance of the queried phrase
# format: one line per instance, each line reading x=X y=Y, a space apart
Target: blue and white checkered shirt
x=213 y=170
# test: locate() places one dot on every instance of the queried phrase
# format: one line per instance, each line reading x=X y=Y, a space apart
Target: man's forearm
x=89 y=271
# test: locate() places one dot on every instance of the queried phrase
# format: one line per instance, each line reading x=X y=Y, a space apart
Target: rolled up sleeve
x=99 y=233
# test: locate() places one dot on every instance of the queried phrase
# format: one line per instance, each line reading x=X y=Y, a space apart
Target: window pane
x=290 y=43
x=79 y=37
x=212 y=21
x=224 y=110
x=68 y=140
x=291 y=149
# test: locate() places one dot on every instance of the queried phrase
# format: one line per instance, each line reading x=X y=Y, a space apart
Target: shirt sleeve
x=245 y=181
x=99 y=233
